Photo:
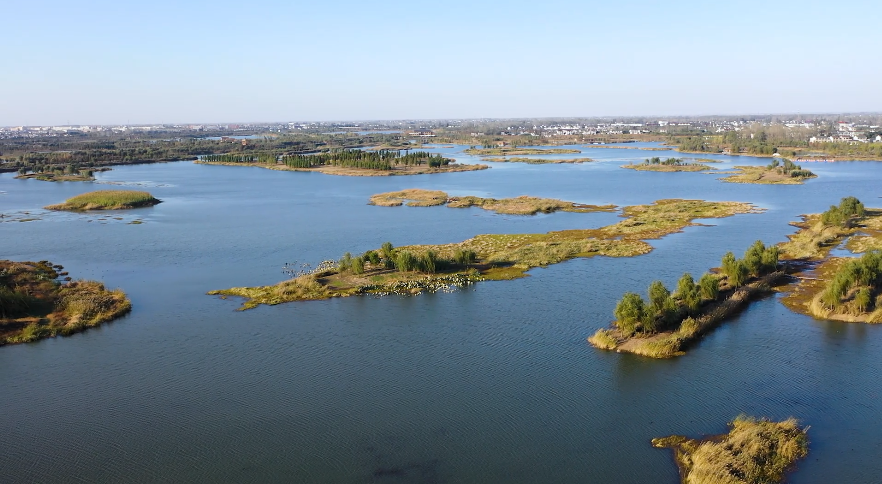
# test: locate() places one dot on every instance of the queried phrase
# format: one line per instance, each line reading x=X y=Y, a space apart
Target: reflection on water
x=494 y=383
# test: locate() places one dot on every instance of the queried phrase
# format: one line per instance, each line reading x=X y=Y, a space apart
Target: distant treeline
x=369 y=160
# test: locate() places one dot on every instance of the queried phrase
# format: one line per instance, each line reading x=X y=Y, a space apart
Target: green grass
x=754 y=451
x=107 y=200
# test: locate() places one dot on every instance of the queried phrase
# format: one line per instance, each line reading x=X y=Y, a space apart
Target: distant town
x=862 y=128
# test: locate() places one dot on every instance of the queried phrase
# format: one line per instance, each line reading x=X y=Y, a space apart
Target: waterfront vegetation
x=413 y=269
x=669 y=165
x=523 y=205
x=839 y=288
x=665 y=324
x=754 y=451
x=535 y=161
x=34 y=304
x=776 y=173
x=513 y=151
x=107 y=200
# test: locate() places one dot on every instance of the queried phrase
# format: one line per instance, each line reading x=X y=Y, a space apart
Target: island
x=107 y=200
x=669 y=165
x=418 y=268
x=776 y=173
x=838 y=288
x=663 y=326
x=523 y=205
x=754 y=451
x=512 y=151
x=35 y=304
x=534 y=161
x=348 y=162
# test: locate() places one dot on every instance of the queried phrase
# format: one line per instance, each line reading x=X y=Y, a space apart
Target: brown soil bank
x=35 y=305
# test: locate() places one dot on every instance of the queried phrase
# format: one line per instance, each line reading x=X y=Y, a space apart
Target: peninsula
x=413 y=269
x=107 y=200
x=754 y=451
x=34 y=304
x=523 y=205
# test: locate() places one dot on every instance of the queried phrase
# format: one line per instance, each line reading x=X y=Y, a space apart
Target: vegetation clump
x=754 y=451
x=415 y=197
x=34 y=304
x=661 y=326
x=107 y=200
x=390 y=270
x=669 y=165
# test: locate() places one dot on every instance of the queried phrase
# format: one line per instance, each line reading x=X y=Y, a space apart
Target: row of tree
x=665 y=309
x=655 y=160
x=388 y=257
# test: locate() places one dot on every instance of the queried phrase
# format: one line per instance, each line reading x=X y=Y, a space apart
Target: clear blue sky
x=109 y=62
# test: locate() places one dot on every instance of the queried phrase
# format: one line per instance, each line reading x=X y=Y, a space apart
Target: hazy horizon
x=102 y=62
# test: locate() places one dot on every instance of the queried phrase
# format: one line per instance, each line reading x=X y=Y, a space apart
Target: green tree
x=357 y=265
x=345 y=262
x=629 y=313
x=658 y=296
x=687 y=293
x=709 y=286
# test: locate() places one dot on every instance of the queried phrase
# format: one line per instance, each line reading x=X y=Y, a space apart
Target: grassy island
x=348 y=162
x=668 y=322
x=522 y=205
x=417 y=268
x=776 y=173
x=839 y=288
x=513 y=151
x=754 y=451
x=107 y=200
x=34 y=304
x=534 y=161
x=668 y=165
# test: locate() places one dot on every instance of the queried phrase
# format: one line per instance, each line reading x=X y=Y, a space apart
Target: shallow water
x=494 y=383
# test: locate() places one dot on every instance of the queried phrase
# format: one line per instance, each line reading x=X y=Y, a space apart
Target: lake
x=492 y=383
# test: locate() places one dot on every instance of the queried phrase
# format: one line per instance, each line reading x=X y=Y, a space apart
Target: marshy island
x=523 y=205
x=35 y=304
x=669 y=165
x=783 y=172
x=348 y=162
x=754 y=451
x=417 y=268
x=107 y=200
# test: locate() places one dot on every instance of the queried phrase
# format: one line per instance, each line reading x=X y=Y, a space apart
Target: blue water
x=494 y=383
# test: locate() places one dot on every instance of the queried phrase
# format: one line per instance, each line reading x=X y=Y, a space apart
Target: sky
x=112 y=62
